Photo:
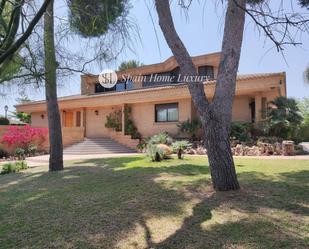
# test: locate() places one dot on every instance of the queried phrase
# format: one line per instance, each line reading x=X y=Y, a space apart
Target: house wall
x=256 y=88
x=88 y=81
x=37 y=121
x=3 y=129
x=246 y=86
x=241 y=110
x=95 y=124
x=70 y=135
x=144 y=117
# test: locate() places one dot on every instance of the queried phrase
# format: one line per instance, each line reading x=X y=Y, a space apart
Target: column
x=84 y=124
x=122 y=119
x=258 y=108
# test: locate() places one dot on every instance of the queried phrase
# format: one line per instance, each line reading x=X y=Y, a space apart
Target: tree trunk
x=218 y=126
x=215 y=116
x=179 y=154
x=54 y=122
x=222 y=168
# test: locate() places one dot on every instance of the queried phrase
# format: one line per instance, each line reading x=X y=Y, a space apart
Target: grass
x=133 y=203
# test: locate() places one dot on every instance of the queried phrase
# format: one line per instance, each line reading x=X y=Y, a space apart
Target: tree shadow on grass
x=86 y=206
x=100 y=203
x=246 y=233
x=255 y=229
x=287 y=191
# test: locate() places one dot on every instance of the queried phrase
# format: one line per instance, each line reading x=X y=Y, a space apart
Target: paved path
x=43 y=160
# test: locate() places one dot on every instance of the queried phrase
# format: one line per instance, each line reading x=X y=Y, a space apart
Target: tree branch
x=15 y=46
x=181 y=54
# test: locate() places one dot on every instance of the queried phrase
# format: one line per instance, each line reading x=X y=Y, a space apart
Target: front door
x=252 y=110
x=68 y=119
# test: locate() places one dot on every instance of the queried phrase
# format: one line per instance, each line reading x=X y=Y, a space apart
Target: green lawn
x=133 y=203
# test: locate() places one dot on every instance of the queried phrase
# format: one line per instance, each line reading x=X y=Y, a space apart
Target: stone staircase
x=102 y=145
x=126 y=140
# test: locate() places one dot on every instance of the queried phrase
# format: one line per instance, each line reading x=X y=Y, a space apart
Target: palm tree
x=284 y=117
x=129 y=64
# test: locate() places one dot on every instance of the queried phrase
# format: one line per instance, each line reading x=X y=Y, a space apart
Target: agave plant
x=161 y=138
x=180 y=146
x=155 y=153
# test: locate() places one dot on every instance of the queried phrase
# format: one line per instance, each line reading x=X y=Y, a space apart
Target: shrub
x=269 y=140
x=4 y=121
x=303 y=106
x=32 y=149
x=21 y=165
x=8 y=168
x=303 y=132
x=155 y=153
x=260 y=129
x=161 y=138
x=190 y=127
x=20 y=153
x=158 y=147
x=24 y=136
x=14 y=167
x=130 y=128
x=113 y=120
x=142 y=146
x=241 y=131
x=24 y=117
x=3 y=153
x=180 y=146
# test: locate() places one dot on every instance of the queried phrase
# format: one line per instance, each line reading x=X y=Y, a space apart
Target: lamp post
x=6 y=111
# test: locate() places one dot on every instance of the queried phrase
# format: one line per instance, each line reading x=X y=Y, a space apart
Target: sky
x=201 y=29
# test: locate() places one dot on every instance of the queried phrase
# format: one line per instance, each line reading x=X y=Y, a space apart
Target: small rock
x=288 y=148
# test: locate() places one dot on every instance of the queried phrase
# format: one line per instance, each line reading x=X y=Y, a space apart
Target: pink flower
x=24 y=136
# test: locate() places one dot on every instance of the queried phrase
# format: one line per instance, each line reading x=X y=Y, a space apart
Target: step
x=97 y=146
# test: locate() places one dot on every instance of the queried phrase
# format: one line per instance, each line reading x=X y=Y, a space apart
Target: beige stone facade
x=85 y=114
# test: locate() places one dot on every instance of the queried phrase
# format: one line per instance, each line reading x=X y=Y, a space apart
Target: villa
x=156 y=99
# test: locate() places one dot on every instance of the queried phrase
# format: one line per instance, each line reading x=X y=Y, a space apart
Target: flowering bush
x=24 y=137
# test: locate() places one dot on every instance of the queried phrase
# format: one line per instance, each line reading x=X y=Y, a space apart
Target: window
x=206 y=71
x=119 y=87
x=78 y=119
x=175 y=74
x=166 y=112
x=252 y=109
x=98 y=88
